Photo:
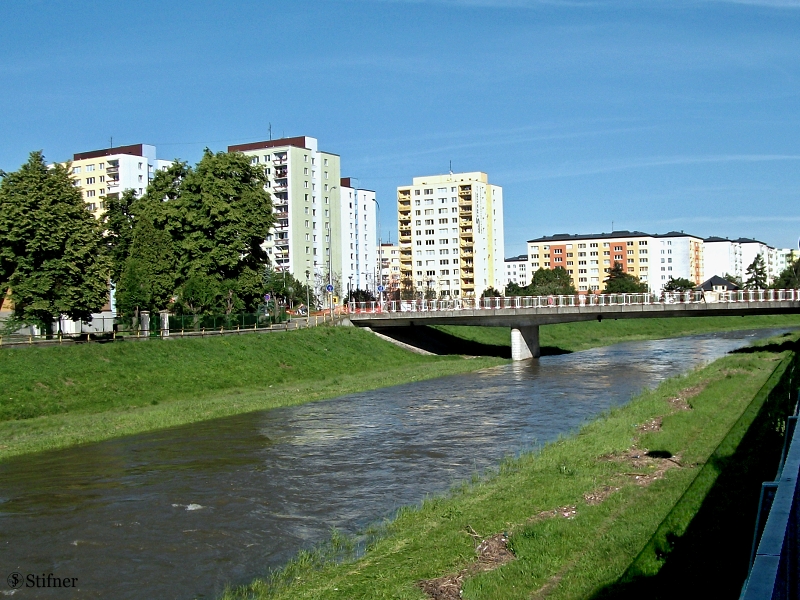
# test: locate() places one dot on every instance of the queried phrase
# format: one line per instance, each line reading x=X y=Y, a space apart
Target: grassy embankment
x=572 y=337
x=591 y=515
x=55 y=397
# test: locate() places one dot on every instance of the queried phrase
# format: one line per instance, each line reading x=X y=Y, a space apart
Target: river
x=179 y=513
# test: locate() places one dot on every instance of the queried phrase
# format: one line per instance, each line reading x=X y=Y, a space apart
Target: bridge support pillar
x=525 y=342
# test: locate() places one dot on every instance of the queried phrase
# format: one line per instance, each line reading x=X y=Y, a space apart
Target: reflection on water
x=181 y=512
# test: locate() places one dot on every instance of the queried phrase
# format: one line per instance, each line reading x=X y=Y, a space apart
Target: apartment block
x=784 y=257
x=104 y=173
x=359 y=244
x=304 y=183
x=389 y=275
x=679 y=256
x=517 y=271
x=588 y=258
x=451 y=235
x=734 y=256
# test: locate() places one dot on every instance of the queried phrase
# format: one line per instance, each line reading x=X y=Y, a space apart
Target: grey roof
x=520 y=257
x=676 y=234
x=566 y=237
x=708 y=284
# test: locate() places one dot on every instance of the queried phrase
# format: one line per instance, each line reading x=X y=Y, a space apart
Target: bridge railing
x=555 y=302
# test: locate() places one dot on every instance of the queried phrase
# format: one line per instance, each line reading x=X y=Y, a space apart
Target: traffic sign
x=329 y=288
x=267 y=297
x=381 y=288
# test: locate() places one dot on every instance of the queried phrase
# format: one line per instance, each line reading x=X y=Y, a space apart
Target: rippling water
x=180 y=513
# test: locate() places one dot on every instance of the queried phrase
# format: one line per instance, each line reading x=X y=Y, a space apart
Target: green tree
x=789 y=279
x=513 y=289
x=620 y=282
x=219 y=221
x=681 y=284
x=52 y=255
x=737 y=281
x=490 y=292
x=551 y=282
x=756 y=274
x=118 y=221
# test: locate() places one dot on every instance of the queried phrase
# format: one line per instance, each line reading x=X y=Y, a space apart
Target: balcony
x=279 y=159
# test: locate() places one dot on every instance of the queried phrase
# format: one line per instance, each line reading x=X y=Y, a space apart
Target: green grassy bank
x=55 y=396
x=572 y=337
x=598 y=514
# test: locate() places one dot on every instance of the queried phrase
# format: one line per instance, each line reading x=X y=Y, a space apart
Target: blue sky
x=656 y=116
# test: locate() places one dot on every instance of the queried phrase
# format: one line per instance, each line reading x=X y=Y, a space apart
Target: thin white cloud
x=652 y=162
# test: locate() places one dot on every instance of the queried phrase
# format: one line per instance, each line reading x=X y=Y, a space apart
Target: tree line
x=192 y=243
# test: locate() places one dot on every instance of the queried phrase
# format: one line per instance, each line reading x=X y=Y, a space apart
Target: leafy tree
x=756 y=274
x=681 y=284
x=513 y=289
x=199 y=295
x=52 y=255
x=620 y=282
x=789 y=279
x=407 y=289
x=490 y=292
x=148 y=280
x=118 y=221
x=219 y=220
x=551 y=282
x=359 y=295
x=737 y=281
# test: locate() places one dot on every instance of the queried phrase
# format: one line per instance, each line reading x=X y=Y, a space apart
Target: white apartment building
x=676 y=255
x=652 y=258
x=359 y=247
x=108 y=172
x=451 y=235
x=734 y=256
x=784 y=257
x=315 y=224
x=518 y=270
x=390 y=267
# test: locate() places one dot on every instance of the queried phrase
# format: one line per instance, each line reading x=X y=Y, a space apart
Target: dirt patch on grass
x=491 y=552
x=565 y=512
x=599 y=495
x=651 y=425
x=681 y=401
x=651 y=465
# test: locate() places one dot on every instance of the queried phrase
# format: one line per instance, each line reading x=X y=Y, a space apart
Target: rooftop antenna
x=270 y=132
x=111 y=142
x=612 y=226
x=451 y=166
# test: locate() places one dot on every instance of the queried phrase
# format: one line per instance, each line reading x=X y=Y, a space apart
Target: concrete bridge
x=524 y=314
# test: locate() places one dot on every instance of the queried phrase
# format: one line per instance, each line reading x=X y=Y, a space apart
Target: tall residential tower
x=451 y=235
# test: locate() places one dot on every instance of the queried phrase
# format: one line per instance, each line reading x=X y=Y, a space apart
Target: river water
x=180 y=513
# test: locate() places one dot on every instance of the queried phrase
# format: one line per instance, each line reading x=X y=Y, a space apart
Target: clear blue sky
x=656 y=115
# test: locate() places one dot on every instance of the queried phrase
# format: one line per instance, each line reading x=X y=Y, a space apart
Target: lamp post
x=350 y=289
x=308 y=299
x=330 y=258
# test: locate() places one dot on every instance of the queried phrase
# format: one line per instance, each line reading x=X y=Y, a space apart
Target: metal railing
x=576 y=300
x=163 y=326
x=775 y=558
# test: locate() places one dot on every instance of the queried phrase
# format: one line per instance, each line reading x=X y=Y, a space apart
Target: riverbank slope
x=598 y=514
x=55 y=397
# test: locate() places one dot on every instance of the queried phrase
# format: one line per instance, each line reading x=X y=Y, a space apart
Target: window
x=630 y=252
x=76 y=170
x=90 y=180
x=429 y=192
x=428 y=211
x=416 y=192
x=305 y=184
x=306 y=221
x=89 y=168
x=305 y=157
x=90 y=194
x=254 y=160
x=91 y=206
x=141 y=177
x=140 y=166
x=102 y=178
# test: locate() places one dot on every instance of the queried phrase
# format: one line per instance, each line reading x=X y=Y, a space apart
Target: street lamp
x=308 y=299
x=330 y=258
x=350 y=289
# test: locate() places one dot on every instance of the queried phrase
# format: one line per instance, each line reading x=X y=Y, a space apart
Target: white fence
x=576 y=300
